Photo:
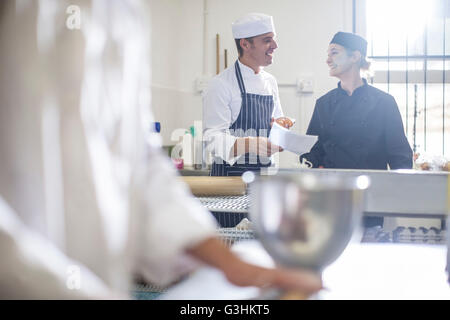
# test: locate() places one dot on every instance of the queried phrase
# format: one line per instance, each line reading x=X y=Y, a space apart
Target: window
x=409 y=45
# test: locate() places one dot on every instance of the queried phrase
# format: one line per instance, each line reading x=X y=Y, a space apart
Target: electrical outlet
x=201 y=83
x=305 y=85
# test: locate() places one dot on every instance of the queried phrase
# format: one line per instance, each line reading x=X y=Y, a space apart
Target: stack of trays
x=376 y=234
x=228 y=210
x=419 y=235
x=229 y=236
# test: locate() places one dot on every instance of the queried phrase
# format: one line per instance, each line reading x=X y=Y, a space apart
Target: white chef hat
x=251 y=25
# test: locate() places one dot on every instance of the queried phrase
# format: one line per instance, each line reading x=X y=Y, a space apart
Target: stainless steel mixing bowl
x=304 y=220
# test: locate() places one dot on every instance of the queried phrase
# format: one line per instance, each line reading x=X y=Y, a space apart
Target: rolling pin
x=216 y=186
x=217 y=54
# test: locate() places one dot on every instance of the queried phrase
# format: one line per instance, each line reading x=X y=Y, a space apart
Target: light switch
x=201 y=83
x=305 y=85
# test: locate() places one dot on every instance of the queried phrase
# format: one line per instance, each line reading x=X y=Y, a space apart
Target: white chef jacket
x=222 y=104
x=86 y=197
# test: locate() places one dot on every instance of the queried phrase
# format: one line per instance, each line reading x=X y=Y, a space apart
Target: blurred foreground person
x=87 y=200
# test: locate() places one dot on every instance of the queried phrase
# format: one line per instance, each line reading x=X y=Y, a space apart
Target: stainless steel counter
x=407 y=193
x=363 y=271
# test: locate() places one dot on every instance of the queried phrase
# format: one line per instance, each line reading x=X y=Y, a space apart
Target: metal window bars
x=424 y=71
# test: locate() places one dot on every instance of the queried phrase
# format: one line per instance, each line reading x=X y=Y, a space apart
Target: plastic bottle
x=188 y=149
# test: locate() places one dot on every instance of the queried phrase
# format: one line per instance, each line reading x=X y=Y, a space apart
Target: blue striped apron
x=253 y=121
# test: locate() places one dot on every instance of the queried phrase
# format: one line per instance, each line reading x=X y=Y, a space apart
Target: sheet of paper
x=291 y=141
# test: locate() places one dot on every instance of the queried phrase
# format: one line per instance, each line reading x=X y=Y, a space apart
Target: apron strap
x=239 y=77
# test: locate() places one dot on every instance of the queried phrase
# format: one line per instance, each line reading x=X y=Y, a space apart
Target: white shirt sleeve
x=31 y=266
x=217 y=120
x=170 y=219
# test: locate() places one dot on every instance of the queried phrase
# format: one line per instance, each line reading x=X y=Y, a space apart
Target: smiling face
x=339 y=61
x=260 y=50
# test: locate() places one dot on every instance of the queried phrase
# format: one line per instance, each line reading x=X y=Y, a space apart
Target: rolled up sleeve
x=170 y=220
x=31 y=267
x=217 y=120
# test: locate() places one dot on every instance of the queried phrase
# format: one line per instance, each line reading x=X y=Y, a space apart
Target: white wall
x=304 y=29
x=177 y=47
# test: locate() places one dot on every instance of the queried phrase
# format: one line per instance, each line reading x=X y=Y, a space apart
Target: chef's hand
x=240 y=273
x=263 y=147
x=256 y=145
x=244 y=274
x=282 y=121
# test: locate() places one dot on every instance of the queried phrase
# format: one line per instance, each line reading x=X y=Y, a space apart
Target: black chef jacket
x=361 y=131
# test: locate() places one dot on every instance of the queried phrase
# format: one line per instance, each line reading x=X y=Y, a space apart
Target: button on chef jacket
x=222 y=104
x=361 y=131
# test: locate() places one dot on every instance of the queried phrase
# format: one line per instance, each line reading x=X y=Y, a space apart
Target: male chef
x=241 y=103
